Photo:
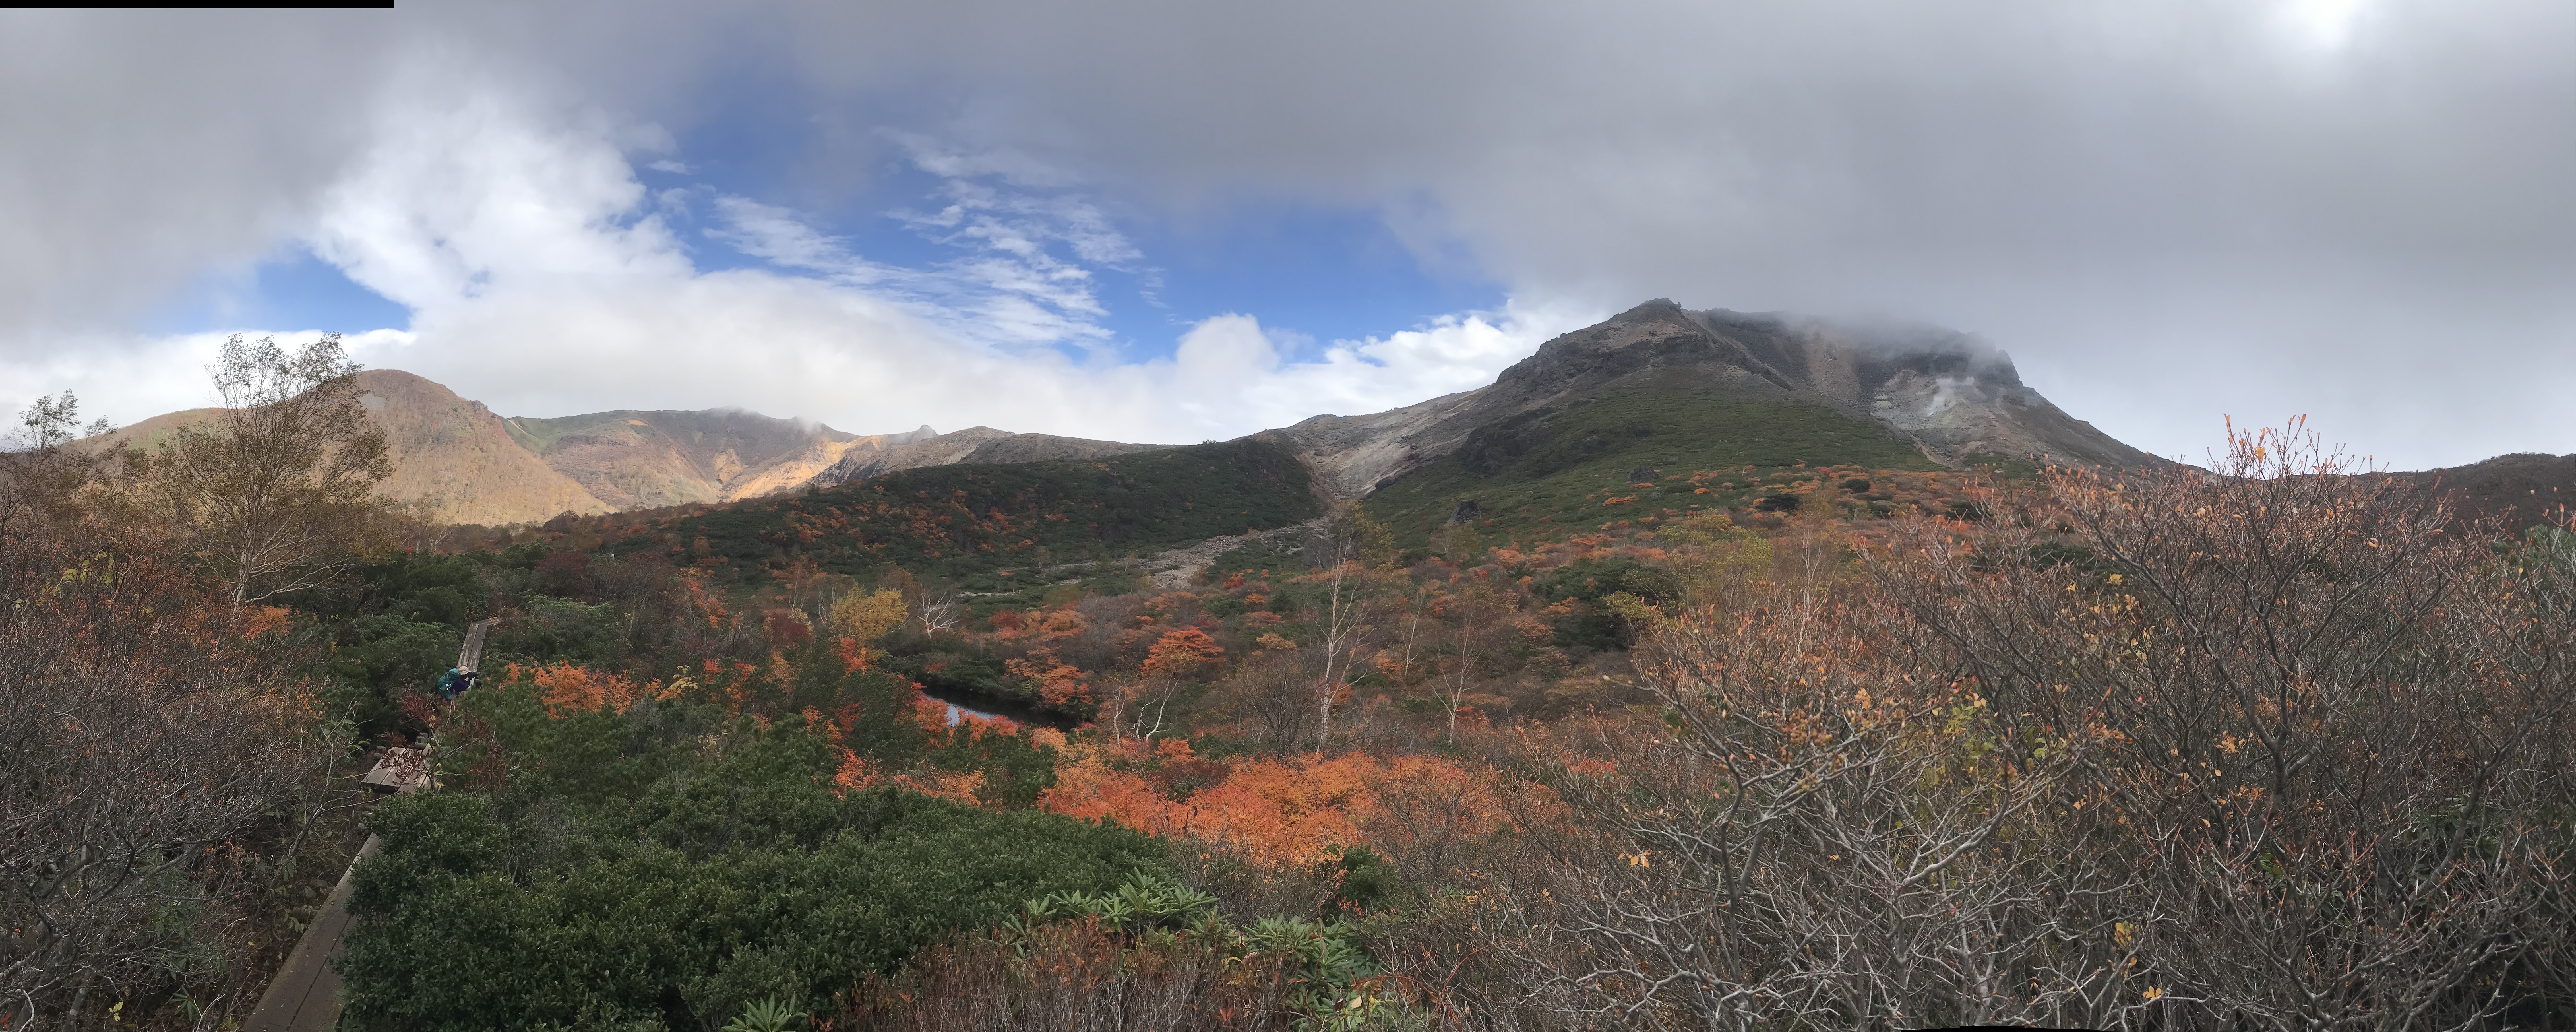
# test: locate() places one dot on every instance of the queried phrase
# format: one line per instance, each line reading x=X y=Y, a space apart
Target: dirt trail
x=1175 y=568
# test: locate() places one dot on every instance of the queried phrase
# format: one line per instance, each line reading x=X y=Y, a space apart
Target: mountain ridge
x=1655 y=387
x=1721 y=385
x=1950 y=395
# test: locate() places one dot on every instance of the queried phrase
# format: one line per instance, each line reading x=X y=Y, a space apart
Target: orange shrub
x=566 y=688
x=1181 y=652
x=1287 y=811
x=1060 y=684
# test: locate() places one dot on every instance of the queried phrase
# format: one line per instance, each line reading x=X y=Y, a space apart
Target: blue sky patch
x=301 y=292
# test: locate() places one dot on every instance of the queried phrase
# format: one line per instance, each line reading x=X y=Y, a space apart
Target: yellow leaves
x=2123 y=933
x=2153 y=992
x=868 y=617
x=1642 y=859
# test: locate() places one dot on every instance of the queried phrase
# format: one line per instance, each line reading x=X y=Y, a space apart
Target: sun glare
x=2323 y=24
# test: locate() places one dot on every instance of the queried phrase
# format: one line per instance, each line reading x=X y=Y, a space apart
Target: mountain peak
x=1954 y=394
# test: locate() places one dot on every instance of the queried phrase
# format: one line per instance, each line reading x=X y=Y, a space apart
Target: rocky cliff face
x=1954 y=397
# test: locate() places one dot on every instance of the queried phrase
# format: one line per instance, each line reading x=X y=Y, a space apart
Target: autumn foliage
x=2265 y=747
x=1283 y=811
x=1182 y=652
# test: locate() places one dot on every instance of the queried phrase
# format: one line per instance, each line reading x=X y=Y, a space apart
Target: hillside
x=1949 y=397
x=981 y=525
x=2523 y=490
x=642 y=460
x=1659 y=392
x=1555 y=437
x=922 y=448
x=1572 y=467
x=452 y=455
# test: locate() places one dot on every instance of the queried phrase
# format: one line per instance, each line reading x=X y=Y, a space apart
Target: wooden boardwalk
x=305 y=995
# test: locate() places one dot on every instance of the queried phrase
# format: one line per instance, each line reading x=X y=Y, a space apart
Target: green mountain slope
x=1553 y=469
x=975 y=525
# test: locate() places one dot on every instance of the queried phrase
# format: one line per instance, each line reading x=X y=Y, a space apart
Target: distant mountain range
x=465 y=464
x=1655 y=388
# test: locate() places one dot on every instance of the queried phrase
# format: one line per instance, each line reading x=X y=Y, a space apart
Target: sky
x=1158 y=220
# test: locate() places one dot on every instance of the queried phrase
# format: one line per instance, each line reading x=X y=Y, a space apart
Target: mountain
x=1951 y=398
x=647 y=460
x=1713 y=410
x=1662 y=388
x=469 y=465
x=922 y=448
x=989 y=527
x=2523 y=490
x=452 y=455
x=1656 y=391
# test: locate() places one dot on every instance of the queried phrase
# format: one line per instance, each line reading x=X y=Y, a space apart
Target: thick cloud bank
x=2166 y=211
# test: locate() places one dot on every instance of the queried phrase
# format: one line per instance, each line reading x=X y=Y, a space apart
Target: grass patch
x=1570 y=467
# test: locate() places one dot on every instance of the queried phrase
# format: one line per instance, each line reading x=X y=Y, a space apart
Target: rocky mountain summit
x=1952 y=397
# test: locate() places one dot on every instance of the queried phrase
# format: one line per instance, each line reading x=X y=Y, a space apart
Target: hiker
x=454 y=683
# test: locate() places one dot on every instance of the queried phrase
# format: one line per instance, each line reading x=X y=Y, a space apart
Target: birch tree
x=275 y=494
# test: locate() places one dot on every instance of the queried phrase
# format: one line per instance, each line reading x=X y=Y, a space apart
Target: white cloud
x=542 y=283
x=127 y=378
x=458 y=193
x=774 y=234
x=2165 y=210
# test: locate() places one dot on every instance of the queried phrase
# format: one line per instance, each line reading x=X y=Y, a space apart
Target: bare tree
x=276 y=495
x=2272 y=746
x=937 y=609
x=1343 y=630
x=1271 y=695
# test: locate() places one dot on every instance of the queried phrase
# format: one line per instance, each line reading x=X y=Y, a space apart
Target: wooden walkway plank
x=400 y=770
x=305 y=995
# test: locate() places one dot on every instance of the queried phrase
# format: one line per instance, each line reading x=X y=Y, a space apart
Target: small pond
x=969 y=704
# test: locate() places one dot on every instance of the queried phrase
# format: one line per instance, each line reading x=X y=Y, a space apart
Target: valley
x=1357 y=710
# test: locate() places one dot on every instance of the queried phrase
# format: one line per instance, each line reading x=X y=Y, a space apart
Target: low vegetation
x=1557 y=471
x=980 y=526
x=1846 y=744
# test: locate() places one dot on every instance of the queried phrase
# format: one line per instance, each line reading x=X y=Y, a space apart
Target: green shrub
x=690 y=904
x=670 y=862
